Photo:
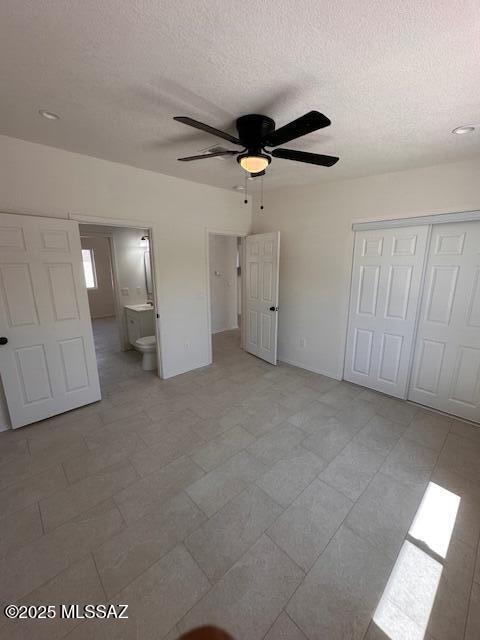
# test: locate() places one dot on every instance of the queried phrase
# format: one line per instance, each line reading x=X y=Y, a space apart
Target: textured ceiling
x=394 y=76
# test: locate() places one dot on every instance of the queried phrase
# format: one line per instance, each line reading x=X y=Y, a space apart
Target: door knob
x=273 y=308
x=3 y=340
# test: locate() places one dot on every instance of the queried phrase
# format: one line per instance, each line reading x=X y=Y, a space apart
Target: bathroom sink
x=139 y=307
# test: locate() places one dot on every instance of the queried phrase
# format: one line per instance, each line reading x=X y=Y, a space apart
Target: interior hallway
x=271 y=501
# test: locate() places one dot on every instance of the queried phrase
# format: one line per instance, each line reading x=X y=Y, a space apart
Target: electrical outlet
x=139 y=290
x=303 y=343
x=187 y=346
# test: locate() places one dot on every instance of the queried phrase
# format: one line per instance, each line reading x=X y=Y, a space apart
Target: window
x=89 y=268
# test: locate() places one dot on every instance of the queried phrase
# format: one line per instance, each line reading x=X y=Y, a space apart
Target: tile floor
x=270 y=501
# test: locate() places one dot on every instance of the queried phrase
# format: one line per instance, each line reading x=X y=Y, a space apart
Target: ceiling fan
x=255 y=132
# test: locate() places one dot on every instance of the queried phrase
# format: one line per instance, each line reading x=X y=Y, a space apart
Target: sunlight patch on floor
x=435 y=518
x=407 y=601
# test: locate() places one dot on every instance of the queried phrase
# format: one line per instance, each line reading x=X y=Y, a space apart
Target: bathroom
x=117 y=265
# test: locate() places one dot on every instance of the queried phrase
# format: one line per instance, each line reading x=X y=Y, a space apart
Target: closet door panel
x=446 y=370
x=386 y=277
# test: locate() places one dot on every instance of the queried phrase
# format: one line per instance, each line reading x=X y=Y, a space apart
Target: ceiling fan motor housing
x=252 y=129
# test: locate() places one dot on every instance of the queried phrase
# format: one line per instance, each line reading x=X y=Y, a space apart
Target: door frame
x=234 y=234
x=130 y=224
x=430 y=220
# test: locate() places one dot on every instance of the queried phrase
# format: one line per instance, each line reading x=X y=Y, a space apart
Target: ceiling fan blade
x=209 y=155
x=305 y=156
x=311 y=121
x=207 y=128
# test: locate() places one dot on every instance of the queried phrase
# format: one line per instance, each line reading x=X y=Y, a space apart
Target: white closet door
x=386 y=278
x=47 y=358
x=446 y=372
x=262 y=260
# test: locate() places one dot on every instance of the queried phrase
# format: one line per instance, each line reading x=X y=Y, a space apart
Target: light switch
x=125 y=291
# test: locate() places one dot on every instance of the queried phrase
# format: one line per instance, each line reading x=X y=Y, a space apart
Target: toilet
x=147 y=346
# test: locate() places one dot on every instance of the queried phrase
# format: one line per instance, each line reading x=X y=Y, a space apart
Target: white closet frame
x=429 y=220
x=433 y=218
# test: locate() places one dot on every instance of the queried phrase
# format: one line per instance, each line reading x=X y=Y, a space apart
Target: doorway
x=48 y=362
x=225 y=300
x=118 y=278
x=257 y=263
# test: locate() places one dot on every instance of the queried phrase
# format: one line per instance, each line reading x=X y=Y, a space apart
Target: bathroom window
x=89 y=268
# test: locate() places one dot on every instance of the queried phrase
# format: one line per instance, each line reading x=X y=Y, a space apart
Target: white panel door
x=386 y=279
x=262 y=254
x=446 y=371
x=48 y=364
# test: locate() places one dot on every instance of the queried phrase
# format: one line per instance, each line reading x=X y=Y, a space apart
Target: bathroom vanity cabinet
x=140 y=321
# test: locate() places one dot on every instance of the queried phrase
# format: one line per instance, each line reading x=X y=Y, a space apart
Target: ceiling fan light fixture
x=254 y=163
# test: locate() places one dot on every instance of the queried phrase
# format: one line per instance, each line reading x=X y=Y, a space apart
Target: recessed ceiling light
x=466 y=128
x=49 y=115
x=239 y=187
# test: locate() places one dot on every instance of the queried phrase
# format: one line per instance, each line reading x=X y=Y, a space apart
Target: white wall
x=223 y=287
x=101 y=300
x=317 y=240
x=40 y=180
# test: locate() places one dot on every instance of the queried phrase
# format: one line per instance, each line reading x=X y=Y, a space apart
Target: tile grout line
x=343 y=523
x=41 y=518
x=228 y=571
x=136 y=577
x=272 y=625
x=92 y=554
x=470 y=591
x=397 y=555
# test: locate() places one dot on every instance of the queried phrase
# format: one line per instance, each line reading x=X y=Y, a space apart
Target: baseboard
x=4 y=427
x=322 y=372
x=178 y=372
x=102 y=317
x=222 y=330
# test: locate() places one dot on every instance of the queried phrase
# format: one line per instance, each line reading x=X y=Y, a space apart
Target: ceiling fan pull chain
x=261 y=194
x=246 y=190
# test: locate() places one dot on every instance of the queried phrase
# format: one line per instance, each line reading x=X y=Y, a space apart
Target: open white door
x=47 y=364
x=262 y=255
